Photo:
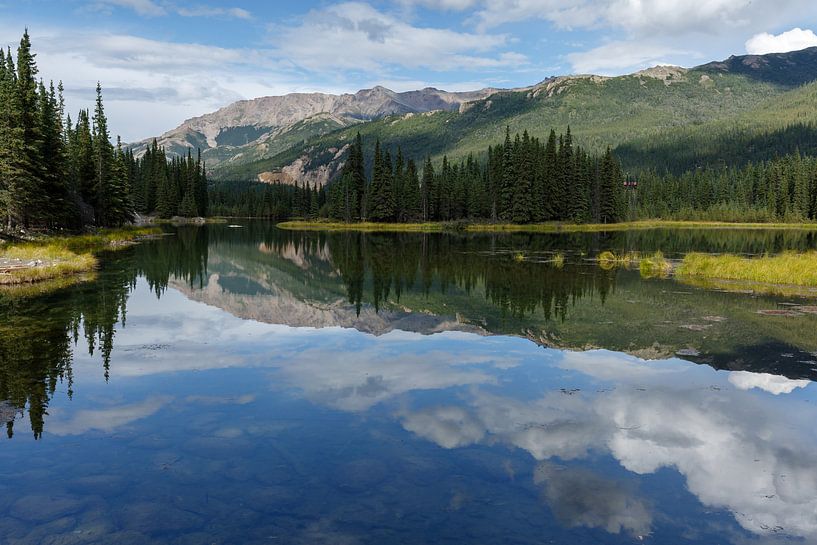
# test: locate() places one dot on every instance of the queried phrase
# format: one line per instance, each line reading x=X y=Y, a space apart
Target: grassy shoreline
x=436 y=227
x=789 y=268
x=53 y=257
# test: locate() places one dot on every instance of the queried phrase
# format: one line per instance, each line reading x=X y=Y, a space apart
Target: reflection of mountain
x=421 y=283
x=429 y=283
x=250 y=300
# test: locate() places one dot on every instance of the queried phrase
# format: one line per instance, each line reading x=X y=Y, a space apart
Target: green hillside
x=643 y=114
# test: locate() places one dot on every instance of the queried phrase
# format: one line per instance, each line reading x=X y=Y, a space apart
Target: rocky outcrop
x=249 y=123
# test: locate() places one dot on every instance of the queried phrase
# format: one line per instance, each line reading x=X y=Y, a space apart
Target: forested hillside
x=632 y=113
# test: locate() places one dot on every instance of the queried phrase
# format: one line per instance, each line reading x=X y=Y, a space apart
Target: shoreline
x=439 y=227
x=51 y=257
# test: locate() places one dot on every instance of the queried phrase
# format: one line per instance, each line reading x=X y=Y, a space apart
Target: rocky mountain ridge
x=302 y=137
x=250 y=127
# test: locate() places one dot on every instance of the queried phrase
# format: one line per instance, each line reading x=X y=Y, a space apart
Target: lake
x=252 y=385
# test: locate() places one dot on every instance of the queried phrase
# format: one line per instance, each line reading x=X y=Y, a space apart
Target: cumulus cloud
x=647 y=33
x=791 y=40
x=169 y=80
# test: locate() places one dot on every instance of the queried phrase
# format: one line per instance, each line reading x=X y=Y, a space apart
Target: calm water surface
x=250 y=385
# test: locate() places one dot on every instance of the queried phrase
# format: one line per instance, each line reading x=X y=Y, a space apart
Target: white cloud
x=356 y=36
x=645 y=33
x=624 y=56
x=149 y=85
x=791 y=40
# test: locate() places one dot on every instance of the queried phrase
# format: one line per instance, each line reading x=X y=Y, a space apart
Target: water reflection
x=185 y=419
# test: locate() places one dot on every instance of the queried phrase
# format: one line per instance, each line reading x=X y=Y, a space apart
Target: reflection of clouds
x=773 y=384
x=617 y=367
x=738 y=452
x=555 y=425
x=106 y=419
x=579 y=497
x=734 y=451
x=449 y=427
x=359 y=379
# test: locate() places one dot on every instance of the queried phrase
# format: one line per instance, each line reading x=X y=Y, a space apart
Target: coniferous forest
x=522 y=180
x=59 y=173
x=56 y=172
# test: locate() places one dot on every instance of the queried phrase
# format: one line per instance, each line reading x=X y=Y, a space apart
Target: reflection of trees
x=38 y=334
x=185 y=257
x=391 y=264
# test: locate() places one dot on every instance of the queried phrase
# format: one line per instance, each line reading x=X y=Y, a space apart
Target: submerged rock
x=780 y=312
x=696 y=327
x=44 y=508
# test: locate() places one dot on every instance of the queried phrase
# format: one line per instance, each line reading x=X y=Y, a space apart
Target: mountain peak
x=788 y=69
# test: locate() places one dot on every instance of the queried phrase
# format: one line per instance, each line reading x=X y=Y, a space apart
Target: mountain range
x=737 y=102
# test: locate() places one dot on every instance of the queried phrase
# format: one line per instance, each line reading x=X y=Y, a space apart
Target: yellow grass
x=630 y=225
x=55 y=257
x=792 y=268
x=538 y=227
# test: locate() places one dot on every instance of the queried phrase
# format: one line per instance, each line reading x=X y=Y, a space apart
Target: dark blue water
x=212 y=427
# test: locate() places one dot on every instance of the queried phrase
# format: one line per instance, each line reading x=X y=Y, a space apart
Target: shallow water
x=249 y=385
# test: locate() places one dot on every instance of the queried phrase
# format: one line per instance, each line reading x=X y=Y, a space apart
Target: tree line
x=276 y=201
x=782 y=189
x=55 y=173
x=522 y=180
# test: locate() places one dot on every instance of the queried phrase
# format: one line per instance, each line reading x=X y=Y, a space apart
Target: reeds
x=793 y=268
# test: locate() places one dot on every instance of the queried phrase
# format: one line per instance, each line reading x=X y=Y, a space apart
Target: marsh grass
x=608 y=260
x=790 y=268
x=535 y=227
x=655 y=266
x=428 y=227
x=56 y=257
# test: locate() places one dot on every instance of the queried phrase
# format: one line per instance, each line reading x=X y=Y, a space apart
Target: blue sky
x=162 y=61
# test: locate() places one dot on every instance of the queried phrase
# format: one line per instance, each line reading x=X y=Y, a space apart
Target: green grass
x=655 y=266
x=534 y=227
x=609 y=260
x=790 y=268
x=55 y=257
x=429 y=227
